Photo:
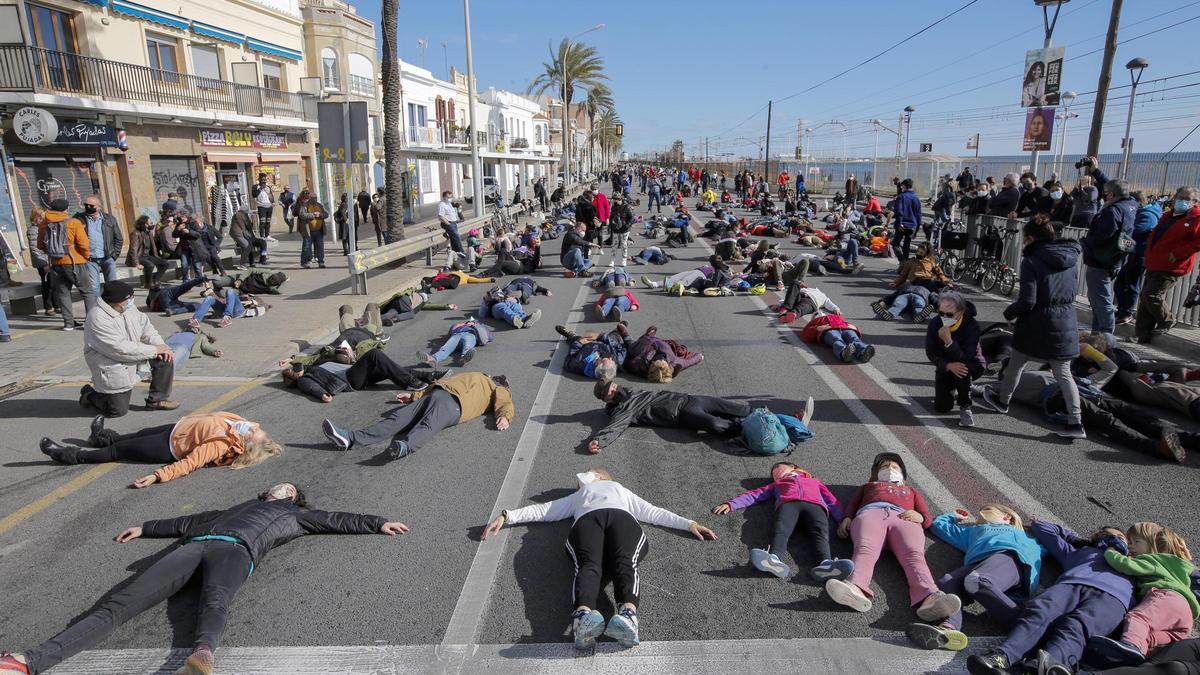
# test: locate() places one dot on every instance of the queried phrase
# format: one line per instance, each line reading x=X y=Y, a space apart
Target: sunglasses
x=948 y=315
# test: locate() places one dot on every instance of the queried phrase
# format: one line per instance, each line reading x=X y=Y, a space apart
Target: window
x=377 y=129
x=416 y=122
x=205 y=62
x=163 y=57
x=330 y=76
x=272 y=75
x=54 y=31
x=362 y=76
x=425 y=168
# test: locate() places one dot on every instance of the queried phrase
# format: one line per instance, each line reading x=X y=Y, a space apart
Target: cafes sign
x=90 y=133
x=225 y=138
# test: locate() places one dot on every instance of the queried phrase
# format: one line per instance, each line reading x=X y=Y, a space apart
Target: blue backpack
x=797 y=431
x=764 y=434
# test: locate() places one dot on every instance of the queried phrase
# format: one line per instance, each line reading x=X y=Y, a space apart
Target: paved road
x=56 y=523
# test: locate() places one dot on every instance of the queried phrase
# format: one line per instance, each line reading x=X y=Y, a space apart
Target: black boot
x=562 y=330
x=97 y=437
x=63 y=454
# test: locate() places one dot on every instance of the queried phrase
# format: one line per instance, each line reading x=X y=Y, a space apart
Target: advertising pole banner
x=1042 y=79
x=1039 y=129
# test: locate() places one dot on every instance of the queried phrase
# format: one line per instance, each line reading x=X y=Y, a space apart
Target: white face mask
x=982 y=193
x=243 y=428
x=948 y=321
x=283 y=491
x=890 y=475
x=127 y=305
x=1057 y=194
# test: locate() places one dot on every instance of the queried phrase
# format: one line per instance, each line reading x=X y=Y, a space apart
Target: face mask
x=982 y=193
x=1182 y=205
x=1057 y=194
x=948 y=321
x=128 y=304
x=243 y=428
x=88 y=208
x=1114 y=542
x=283 y=491
x=890 y=475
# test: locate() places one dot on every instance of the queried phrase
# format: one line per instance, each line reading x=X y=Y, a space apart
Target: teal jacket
x=982 y=540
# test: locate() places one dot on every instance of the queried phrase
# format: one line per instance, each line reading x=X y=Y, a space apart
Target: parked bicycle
x=988 y=267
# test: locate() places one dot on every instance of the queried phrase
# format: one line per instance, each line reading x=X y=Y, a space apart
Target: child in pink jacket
x=798 y=498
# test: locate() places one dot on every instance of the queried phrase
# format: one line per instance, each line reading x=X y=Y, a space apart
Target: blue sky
x=687 y=70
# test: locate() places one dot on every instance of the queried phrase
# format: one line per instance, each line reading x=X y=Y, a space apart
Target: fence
x=1012 y=254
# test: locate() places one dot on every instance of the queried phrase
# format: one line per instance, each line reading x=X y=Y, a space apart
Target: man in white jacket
x=117 y=340
x=606 y=540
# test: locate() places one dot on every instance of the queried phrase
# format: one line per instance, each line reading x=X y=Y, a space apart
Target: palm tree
x=393 y=163
x=599 y=98
x=573 y=65
x=610 y=142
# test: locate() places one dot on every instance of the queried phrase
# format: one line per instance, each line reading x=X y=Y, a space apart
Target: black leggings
x=712 y=414
x=815 y=522
x=148 y=446
x=606 y=545
x=1180 y=658
x=375 y=367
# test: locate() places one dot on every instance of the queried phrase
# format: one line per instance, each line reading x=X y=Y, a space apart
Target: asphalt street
x=57 y=523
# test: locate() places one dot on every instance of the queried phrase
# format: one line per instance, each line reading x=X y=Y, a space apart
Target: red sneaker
x=787 y=317
x=9 y=663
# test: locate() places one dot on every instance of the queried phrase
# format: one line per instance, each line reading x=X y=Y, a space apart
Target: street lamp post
x=1047 y=23
x=562 y=61
x=1067 y=98
x=908 y=111
x=1135 y=67
x=476 y=167
x=878 y=124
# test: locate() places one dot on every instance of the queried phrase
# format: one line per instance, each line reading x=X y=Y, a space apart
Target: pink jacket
x=603 y=209
x=796 y=487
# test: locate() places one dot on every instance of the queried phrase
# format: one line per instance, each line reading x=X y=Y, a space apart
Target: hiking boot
x=199 y=662
x=770 y=563
x=988 y=663
x=587 y=625
x=991 y=400
x=616 y=313
x=1106 y=653
x=623 y=627
x=427 y=359
x=847 y=354
x=63 y=454
x=562 y=330
x=399 y=450
x=866 y=354
x=163 y=404
x=938 y=606
x=966 y=418
x=623 y=330
x=13 y=663
x=1072 y=431
x=1171 y=447
x=926 y=636
x=832 y=569
x=95 y=438
x=848 y=595
x=337 y=435
x=533 y=318
x=466 y=357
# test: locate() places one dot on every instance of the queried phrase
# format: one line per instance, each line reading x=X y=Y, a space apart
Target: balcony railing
x=519 y=143
x=33 y=69
x=362 y=86
x=331 y=83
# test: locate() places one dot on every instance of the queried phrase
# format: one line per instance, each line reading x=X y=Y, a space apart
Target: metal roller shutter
x=178 y=175
x=41 y=180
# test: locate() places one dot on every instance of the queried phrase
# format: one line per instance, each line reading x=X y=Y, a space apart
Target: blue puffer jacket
x=982 y=540
x=1147 y=218
x=1044 y=311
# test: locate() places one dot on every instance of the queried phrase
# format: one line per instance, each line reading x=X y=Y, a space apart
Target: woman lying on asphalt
x=606 y=542
x=211 y=439
x=223 y=547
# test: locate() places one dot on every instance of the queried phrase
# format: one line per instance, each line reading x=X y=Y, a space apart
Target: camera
x=1086 y=161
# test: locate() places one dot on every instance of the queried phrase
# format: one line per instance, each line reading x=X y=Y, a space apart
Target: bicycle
x=987 y=268
x=950 y=239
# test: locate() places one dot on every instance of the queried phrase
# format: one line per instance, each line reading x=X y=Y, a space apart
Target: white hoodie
x=593 y=496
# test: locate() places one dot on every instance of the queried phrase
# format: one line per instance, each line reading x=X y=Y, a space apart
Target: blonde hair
x=1161 y=539
x=37 y=215
x=1008 y=511
x=659 y=371
x=257 y=452
x=602 y=474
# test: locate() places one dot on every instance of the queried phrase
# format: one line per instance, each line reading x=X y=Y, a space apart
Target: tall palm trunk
x=394 y=164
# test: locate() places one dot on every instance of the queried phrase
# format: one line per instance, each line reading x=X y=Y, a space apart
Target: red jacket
x=603 y=209
x=1172 y=246
x=902 y=496
x=633 y=303
x=820 y=324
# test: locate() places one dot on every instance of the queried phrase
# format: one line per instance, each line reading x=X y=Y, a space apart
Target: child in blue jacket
x=1089 y=598
x=999 y=558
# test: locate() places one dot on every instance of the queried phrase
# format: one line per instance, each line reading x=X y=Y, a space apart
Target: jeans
x=606 y=544
x=1100 y=297
x=232 y=307
x=162 y=377
x=169 y=297
x=251 y=245
x=575 y=261
x=191 y=269
x=79 y=276
x=1062 y=375
x=313 y=246
x=451 y=231
x=837 y=340
x=653 y=256
x=98 y=266
x=508 y=311
x=465 y=341
x=850 y=253
x=417 y=422
x=815 y=521
x=622 y=303
x=223 y=566
x=987 y=582
x=1129 y=284
x=654 y=201
x=181 y=344
x=1061 y=619
x=3 y=319
x=264 y=220
x=907 y=301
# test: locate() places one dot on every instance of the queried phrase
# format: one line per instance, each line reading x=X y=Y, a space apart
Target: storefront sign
x=221 y=138
x=35 y=126
x=90 y=133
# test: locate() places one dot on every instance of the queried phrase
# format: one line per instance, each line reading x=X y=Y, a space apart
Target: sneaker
x=13 y=663
x=806 y=414
x=988 y=663
x=164 y=404
x=881 y=311
x=779 y=287
x=832 y=569
x=770 y=563
x=645 y=280
x=533 y=318
x=938 y=606
x=1171 y=447
x=518 y=322
x=1072 y=431
x=1163 y=327
x=858 y=267
x=427 y=359
x=924 y=314
x=72 y=327
x=570 y=274
x=586 y=274
x=562 y=330
x=991 y=400
x=337 y=435
x=848 y=595
x=466 y=357
x=587 y=625
x=1106 y=653
x=399 y=450
x=818 y=270
x=1124 y=320
x=623 y=627
x=847 y=354
x=866 y=354
x=787 y=317
x=966 y=418
x=926 y=636
x=435 y=375
x=616 y=314
x=63 y=454
x=199 y=662
x=224 y=322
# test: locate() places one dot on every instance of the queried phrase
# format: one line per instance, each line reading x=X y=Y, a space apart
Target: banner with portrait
x=1042 y=77
x=1039 y=129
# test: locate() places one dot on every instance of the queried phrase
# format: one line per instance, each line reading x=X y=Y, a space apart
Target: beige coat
x=114 y=343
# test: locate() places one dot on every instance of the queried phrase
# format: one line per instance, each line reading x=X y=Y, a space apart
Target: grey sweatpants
x=1062 y=375
x=415 y=423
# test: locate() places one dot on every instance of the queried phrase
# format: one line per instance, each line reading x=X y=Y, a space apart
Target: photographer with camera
x=1085 y=197
x=1105 y=247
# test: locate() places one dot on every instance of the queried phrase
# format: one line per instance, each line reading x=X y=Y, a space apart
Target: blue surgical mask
x=1183 y=205
x=243 y=428
x=1057 y=194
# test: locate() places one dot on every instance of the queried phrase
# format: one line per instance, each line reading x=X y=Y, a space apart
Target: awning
x=101 y=3
x=280 y=157
x=232 y=157
x=211 y=31
x=150 y=14
x=269 y=48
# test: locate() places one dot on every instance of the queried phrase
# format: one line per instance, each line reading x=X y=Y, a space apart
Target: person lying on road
x=324 y=381
x=659 y=360
x=657 y=408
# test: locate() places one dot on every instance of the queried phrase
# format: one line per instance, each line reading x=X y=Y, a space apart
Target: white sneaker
x=938 y=606
x=623 y=627
x=587 y=625
x=848 y=595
